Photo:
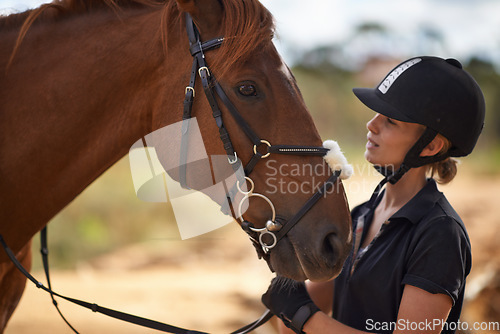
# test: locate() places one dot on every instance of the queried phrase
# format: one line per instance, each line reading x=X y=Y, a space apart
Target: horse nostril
x=331 y=245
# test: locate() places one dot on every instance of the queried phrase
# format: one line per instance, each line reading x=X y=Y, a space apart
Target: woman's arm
x=419 y=312
x=420 y=308
x=321 y=294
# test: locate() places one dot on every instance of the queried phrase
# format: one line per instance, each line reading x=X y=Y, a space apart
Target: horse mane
x=247 y=25
x=59 y=9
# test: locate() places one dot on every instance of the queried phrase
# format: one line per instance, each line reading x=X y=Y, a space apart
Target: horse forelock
x=247 y=28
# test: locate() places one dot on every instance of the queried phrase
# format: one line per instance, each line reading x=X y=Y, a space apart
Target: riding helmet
x=437 y=93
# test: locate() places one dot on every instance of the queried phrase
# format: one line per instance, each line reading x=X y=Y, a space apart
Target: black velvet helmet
x=434 y=92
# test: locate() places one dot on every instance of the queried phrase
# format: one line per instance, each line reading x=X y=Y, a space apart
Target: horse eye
x=247 y=90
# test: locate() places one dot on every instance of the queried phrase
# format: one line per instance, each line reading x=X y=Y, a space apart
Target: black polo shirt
x=424 y=244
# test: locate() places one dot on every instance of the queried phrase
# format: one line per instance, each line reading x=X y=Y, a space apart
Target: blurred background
x=111 y=248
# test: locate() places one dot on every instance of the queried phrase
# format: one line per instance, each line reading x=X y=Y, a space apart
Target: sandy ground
x=214 y=284
x=210 y=287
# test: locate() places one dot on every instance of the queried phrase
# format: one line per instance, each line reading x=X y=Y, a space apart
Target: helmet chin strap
x=411 y=160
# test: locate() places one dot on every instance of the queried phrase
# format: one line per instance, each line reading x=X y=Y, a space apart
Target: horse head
x=82 y=80
x=255 y=80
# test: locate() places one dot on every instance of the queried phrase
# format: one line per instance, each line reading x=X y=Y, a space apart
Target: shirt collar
x=419 y=205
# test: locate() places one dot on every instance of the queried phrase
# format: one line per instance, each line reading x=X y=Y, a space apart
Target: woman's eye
x=390 y=121
x=247 y=90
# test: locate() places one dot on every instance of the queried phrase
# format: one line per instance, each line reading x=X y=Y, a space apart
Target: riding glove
x=289 y=300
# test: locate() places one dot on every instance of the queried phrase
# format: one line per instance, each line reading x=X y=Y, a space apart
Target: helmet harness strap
x=411 y=160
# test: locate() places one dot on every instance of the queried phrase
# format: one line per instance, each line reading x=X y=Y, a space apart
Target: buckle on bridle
x=205 y=69
x=262 y=141
x=232 y=162
x=189 y=88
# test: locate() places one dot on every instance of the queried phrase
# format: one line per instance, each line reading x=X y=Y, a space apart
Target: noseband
x=267 y=237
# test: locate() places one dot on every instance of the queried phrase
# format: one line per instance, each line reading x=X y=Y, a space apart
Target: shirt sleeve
x=439 y=258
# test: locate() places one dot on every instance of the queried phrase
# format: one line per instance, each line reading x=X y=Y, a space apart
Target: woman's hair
x=444 y=170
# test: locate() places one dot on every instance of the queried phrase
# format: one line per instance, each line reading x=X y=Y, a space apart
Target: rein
x=140 y=321
x=274 y=229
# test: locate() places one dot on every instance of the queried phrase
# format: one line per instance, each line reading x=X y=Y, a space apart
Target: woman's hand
x=289 y=300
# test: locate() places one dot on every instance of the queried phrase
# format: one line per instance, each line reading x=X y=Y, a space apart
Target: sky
x=468 y=26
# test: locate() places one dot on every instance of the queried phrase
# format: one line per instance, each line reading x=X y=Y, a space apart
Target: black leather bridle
x=273 y=228
x=266 y=237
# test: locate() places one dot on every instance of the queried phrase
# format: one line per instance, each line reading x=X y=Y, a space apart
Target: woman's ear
x=434 y=147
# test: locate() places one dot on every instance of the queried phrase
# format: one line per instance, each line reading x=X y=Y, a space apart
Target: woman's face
x=389 y=140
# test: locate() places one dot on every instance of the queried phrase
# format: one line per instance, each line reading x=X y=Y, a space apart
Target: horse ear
x=206 y=14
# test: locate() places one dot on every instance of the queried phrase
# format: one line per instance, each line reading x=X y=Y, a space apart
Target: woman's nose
x=372 y=124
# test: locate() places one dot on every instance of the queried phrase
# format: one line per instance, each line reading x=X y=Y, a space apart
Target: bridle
x=266 y=237
x=274 y=229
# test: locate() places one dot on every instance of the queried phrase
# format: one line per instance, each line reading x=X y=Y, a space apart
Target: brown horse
x=82 y=80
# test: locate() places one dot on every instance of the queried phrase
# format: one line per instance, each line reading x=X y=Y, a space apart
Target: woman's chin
x=370 y=158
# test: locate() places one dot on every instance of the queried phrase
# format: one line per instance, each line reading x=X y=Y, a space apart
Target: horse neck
x=78 y=94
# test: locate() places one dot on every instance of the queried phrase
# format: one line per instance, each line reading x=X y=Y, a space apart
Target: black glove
x=289 y=300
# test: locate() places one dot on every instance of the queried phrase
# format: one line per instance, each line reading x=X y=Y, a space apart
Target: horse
x=82 y=80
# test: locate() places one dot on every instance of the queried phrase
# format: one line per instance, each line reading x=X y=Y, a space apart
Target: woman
x=411 y=253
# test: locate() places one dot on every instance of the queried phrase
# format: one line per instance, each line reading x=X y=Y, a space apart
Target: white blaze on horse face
x=158 y=162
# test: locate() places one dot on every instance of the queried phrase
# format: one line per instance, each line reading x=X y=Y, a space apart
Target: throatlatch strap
x=197 y=48
x=186 y=116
